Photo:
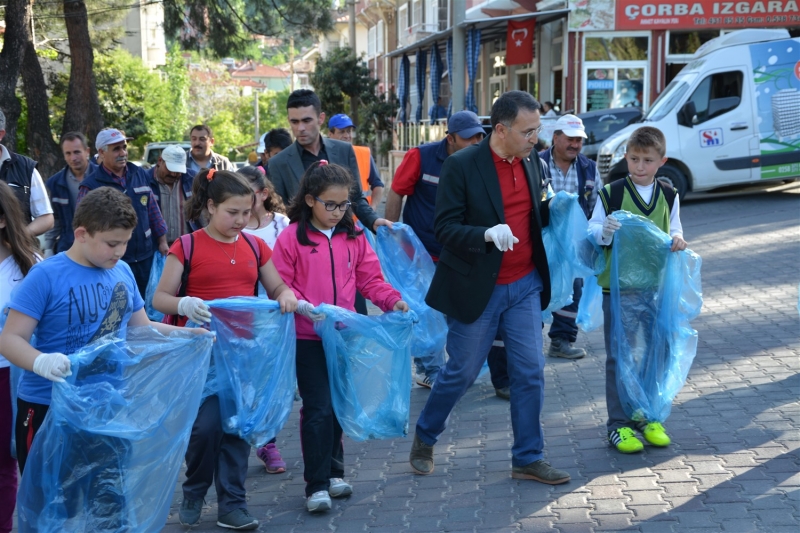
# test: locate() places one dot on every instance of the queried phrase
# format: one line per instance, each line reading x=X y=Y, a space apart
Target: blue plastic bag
x=590 y=308
x=570 y=254
x=155 y=276
x=367 y=233
x=409 y=269
x=368 y=361
x=654 y=295
x=254 y=358
x=109 y=451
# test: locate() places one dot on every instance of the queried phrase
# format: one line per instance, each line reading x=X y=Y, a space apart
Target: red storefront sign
x=697 y=14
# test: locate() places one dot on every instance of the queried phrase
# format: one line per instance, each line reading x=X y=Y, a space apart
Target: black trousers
x=320 y=432
x=141 y=273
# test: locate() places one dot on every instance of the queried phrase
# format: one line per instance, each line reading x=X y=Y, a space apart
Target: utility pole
x=351 y=16
x=291 y=63
x=459 y=48
x=255 y=103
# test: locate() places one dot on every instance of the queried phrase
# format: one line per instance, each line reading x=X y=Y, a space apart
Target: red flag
x=519 y=42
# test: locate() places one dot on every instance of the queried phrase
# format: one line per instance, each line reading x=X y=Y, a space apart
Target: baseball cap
x=570 y=125
x=465 y=124
x=175 y=158
x=109 y=136
x=262 y=144
x=340 y=122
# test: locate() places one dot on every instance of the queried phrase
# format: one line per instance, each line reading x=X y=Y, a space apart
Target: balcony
x=417 y=32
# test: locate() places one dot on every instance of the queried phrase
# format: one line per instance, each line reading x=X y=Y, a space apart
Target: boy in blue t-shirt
x=69 y=301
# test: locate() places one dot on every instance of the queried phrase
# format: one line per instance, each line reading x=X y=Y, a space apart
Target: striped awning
x=421 y=67
x=403 y=80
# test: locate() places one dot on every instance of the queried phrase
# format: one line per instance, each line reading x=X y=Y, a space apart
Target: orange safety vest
x=363 y=159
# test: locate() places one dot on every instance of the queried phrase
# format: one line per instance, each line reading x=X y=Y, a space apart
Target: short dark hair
x=104 y=209
x=72 y=136
x=648 y=137
x=222 y=185
x=506 y=108
x=200 y=127
x=304 y=98
x=277 y=138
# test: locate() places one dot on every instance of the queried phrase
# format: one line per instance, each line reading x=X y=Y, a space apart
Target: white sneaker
x=339 y=488
x=318 y=502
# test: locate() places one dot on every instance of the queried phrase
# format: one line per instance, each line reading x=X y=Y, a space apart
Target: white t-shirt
x=40 y=203
x=270 y=232
x=10 y=277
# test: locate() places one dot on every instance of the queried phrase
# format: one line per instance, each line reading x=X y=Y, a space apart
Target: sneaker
x=625 y=441
x=318 y=502
x=653 y=432
x=425 y=381
x=339 y=488
x=540 y=471
x=238 y=519
x=189 y=515
x=271 y=457
x=421 y=457
x=564 y=348
x=503 y=392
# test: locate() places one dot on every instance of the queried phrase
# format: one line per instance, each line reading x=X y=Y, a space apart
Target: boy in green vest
x=639 y=193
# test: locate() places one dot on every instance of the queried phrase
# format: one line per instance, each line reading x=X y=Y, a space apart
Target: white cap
x=570 y=125
x=262 y=144
x=175 y=158
x=109 y=136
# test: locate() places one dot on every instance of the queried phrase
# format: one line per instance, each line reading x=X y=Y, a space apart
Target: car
x=153 y=150
x=603 y=123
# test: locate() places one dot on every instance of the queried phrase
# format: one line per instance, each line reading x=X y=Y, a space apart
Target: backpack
x=187 y=243
x=618 y=190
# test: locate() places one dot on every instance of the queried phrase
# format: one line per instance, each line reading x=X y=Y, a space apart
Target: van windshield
x=669 y=98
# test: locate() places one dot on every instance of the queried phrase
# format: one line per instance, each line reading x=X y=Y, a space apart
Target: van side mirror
x=688 y=115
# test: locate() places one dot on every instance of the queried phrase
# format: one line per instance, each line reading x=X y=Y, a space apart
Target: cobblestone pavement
x=733 y=465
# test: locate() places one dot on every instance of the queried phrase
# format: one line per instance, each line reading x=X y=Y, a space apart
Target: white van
x=731 y=116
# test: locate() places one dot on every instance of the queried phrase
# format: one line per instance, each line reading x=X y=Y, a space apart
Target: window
x=687 y=42
x=402 y=20
x=380 y=37
x=372 y=34
x=416 y=16
x=444 y=14
x=616 y=49
x=717 y=95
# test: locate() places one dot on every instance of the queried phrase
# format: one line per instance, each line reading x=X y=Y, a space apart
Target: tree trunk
x=83 y=106
x=41 y=145
x=18 y=21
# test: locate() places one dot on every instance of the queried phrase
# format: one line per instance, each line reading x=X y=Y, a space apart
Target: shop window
x=716 y=95
x=616 y=48
x=614 y=87
x=687 y=42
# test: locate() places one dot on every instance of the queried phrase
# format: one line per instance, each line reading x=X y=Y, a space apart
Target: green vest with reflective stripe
x=657 y=211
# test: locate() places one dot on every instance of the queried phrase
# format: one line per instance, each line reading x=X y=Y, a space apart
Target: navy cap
x=465 y=124
x=340 y=122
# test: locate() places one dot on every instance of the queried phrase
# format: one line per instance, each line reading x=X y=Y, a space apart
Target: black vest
x=17 y=172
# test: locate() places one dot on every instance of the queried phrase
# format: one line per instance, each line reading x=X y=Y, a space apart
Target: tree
x=39 y=135
x=18 y=20
x=340 y=75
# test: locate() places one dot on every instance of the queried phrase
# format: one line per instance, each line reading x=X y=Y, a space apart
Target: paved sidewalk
x=736 y=453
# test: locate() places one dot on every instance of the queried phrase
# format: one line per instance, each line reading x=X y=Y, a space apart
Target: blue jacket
x=420 y=207
x=140 y=247
x=586 y=173
x=63 y=207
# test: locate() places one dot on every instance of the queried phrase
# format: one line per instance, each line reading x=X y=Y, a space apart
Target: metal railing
x=413 y=134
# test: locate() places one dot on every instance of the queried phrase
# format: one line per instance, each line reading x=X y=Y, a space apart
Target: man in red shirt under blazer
x=492 y=276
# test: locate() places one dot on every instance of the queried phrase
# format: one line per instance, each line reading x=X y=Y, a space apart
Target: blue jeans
x=515 y=311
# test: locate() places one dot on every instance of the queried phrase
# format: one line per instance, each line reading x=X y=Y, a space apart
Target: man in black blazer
x=287 y=168
x=492 y=276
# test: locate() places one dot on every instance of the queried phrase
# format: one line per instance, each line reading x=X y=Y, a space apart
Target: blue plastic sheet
x=570 y=254
x=368 y=361
x=409 y=269
x=155 y=276
x=254 y=360
x=108 y=454
x=367 y=233
x=655 y=293
x=590 y=308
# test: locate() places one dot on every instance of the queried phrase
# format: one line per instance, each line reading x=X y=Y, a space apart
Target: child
x=71 y=300
x=640 y=194
x=321 y=214
x=17 y=257
x=222 y=265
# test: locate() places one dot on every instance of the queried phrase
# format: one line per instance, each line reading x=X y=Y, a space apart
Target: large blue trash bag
x=570 y=254
x=368 y=361
x=654 y=295
x=254 y=357
x=155 y=276
x=590 y=308
x=109 y=451
x=367 y=233
x=409 y=269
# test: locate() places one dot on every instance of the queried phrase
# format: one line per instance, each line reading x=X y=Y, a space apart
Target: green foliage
x=105 y=28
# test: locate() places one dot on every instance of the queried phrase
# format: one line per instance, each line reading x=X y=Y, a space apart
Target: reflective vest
x=363 y=158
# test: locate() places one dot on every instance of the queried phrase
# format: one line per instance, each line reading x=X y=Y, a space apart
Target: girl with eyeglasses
x=323 y=258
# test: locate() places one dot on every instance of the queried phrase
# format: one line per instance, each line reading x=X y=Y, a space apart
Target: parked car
x=153 y=150
x=602 y=124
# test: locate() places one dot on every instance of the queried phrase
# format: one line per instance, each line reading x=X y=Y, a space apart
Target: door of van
x=720 y=140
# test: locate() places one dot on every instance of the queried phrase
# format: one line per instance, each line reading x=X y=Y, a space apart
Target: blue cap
x=465 y=124
x=340 y=122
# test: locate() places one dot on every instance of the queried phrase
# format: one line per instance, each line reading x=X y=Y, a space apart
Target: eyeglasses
x=332 y=206
x=527 y=134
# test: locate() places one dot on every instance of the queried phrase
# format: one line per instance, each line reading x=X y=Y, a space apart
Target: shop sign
x=591 y=15
x=697 y=14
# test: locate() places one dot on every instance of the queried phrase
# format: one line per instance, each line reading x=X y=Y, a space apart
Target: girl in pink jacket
x=323 y=258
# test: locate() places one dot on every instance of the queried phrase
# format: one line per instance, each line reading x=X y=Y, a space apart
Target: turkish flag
x=519 y=42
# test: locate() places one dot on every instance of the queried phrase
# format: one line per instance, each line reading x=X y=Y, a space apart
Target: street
x=733 y=464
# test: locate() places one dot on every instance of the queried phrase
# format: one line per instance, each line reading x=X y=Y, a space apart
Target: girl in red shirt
x=222 y=265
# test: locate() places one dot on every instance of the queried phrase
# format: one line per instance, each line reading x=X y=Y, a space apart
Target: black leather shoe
x=504 y=393
x=421 y=457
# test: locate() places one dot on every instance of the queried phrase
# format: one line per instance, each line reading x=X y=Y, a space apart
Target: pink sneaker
x=272 y=459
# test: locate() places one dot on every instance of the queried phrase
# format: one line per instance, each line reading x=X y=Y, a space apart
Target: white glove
x=307 y=310
x=194 y=309
x=610 y=225
x=501 y=236
x=52 y=366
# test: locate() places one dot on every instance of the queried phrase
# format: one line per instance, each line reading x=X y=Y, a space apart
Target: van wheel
x=675 y=177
